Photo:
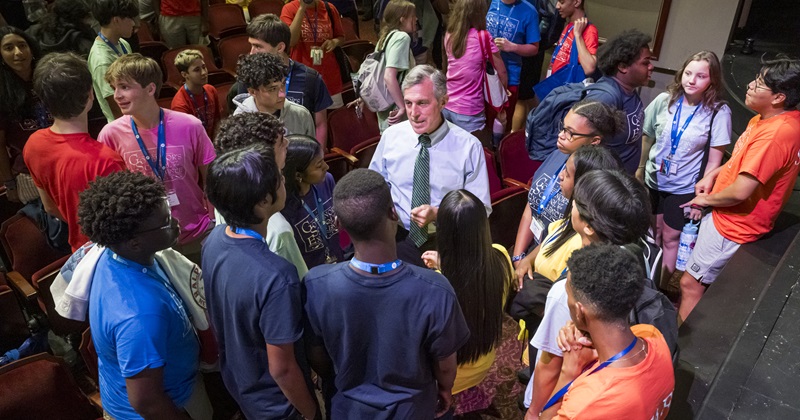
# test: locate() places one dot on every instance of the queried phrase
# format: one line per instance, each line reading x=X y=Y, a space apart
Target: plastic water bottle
x=686 y=245
x=36 y=343
x=34 y=9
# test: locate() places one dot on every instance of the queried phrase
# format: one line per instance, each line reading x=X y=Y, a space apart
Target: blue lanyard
x=550 y=191
x=203 y=116
x=376 y=268
x=319 y=217
x=249 y=232
x=561 y=43
x=289 y=76
x=508 y=17
x=560 y=394
x=159 y=167
x=676 y=134
x=110 y=45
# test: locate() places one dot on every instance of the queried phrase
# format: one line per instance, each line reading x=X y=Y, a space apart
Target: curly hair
x=612 y=287
x=246 y=129
x=606 y=120
x=111 y=210
x=65 y=16
x=614 y=204
x=261 y=69
x=623 y=49
x=361 y=200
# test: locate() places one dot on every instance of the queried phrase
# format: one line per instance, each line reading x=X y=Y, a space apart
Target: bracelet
x=518 y=257
x=10 y=184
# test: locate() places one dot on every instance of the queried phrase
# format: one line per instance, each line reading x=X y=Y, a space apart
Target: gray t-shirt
x=689 y=154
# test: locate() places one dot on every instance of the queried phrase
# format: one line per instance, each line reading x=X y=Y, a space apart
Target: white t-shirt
x=556 y=315
x=689 y=154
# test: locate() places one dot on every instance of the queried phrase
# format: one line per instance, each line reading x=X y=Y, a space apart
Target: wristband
x=518 y=257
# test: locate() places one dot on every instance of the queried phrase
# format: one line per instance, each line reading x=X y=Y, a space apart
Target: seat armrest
x=514 y=183
x=21 y=286
x=352 y=159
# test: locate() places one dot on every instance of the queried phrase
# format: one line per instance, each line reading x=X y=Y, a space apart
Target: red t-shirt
x=208 y=112
x=63 y=165
x=316 y=29
x=590 y=38
x=180 y=7
x=769 y=150
x=643 y=391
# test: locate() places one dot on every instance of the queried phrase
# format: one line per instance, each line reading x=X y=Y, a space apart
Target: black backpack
x=653 y=307
x=550 y=23
x=541 y=127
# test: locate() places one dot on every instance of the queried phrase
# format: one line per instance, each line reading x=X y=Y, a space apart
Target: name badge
x=537 y=227
x=172 y=199
x=316 y=55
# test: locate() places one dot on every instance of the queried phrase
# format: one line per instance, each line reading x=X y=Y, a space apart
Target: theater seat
x=262 y=7
x=346 y=129
x=13 y=327
x=26 y=246
x=42 y=280
x=509 y=199
x=225 y=20
x=364 y=151
x=41 y=387
x=514 y=161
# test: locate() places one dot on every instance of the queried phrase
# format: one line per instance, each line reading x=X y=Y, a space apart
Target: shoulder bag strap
x=707 y=148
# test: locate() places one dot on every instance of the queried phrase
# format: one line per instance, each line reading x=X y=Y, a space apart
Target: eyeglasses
x=571 y=134
x=759 y=84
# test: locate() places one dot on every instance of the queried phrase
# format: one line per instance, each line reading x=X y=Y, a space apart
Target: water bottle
x=686 y=245
x=36 y=343
x=34 y=9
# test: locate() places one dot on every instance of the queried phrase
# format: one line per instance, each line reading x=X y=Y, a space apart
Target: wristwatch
x=518 y=257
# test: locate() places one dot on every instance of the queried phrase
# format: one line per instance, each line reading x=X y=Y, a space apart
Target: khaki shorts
x=711 y=252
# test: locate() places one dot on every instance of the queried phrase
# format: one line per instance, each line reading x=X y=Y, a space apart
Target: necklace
x=630 y=356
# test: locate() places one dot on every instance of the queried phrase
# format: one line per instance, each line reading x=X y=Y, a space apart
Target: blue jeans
x=471 y=123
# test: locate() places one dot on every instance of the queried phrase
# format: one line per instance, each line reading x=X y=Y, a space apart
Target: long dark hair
x=587 y=158
x=480 y=274
x=15 y=96
x=300 y=152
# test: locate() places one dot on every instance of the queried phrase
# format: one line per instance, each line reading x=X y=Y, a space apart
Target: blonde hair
x=712 y=97
x=185 y=58
x=394 y=11
x=143 y=70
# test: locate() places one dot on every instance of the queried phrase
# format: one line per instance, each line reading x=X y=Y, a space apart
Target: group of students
x=281 y=293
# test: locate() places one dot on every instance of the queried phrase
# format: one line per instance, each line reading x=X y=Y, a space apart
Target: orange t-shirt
x=643 y=391
x=769 y=150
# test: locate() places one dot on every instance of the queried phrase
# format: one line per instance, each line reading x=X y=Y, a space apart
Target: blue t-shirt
x=253 y=298
x=138 y=323
x=628 y=142
x=384 y=335
x=306 y=230
x=554 y=209
x=518 y=23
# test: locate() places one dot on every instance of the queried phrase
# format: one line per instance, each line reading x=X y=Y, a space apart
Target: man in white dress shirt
x=426 y=157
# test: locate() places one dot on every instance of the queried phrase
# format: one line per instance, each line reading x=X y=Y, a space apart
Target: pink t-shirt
x=188 y=149
x=465 y=75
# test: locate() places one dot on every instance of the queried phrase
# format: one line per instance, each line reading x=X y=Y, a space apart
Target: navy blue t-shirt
x=306 y=230
x=554 y=210
x=384 y=335
x=253 y=299
x=628 y=142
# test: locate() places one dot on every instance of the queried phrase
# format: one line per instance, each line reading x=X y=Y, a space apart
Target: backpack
x=371 y=86
x=541 y=127
x=653 y=307
x=550 y=22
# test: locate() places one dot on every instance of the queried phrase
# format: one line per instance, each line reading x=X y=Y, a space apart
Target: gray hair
x=421 y=72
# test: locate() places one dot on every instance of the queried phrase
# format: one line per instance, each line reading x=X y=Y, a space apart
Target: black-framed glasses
x=167 y=226
x=758 y=83
x=571 y=134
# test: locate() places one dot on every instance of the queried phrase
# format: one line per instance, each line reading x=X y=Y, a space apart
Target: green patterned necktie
x=421 y=190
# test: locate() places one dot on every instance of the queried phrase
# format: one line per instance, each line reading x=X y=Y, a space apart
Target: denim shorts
x=470 y=123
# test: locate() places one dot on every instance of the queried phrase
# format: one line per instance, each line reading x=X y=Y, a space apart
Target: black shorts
x=529 y=75
x=668 y=204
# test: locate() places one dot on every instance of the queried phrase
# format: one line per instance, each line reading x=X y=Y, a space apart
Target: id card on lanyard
x=558 y=48
x=159 y=164
x=110 y=45
x=668 y=165
x=537 y=225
